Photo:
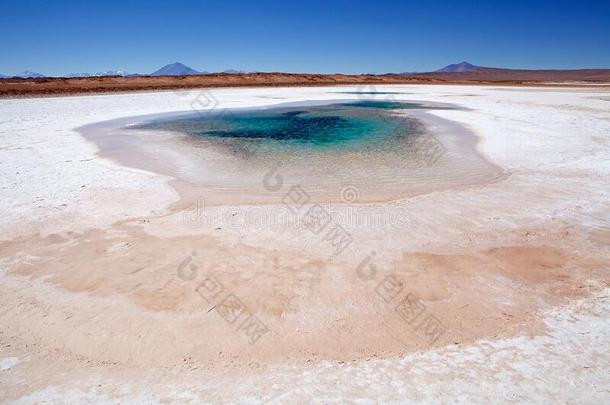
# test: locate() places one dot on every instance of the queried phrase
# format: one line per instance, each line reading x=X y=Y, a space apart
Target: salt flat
x=99 y=301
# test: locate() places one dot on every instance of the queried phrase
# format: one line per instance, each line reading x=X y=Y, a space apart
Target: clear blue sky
x=58 y=37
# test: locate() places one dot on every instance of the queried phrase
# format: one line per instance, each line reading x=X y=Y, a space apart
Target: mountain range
x=173 y=69
x=465 y=71
x=462 y=71
x=103 y=74
x=25 y=75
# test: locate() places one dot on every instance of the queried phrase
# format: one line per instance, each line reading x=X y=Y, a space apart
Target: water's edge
x=172 y=154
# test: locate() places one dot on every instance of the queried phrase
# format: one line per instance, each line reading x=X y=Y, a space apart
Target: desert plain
x=125 y=284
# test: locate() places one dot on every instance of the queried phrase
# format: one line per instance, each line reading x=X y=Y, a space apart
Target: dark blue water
x=357 y=124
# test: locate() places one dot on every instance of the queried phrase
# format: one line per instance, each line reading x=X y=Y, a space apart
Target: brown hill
x=52 y=86
x=498 y=74
x=16 y=87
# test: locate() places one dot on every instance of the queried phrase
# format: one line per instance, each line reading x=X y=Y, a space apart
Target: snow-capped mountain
x=24 y=75
x=30 y=75
x=239 y=72
x=106 y=73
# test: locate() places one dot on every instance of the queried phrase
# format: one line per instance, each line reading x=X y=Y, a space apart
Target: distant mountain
x=175 y=69
x=4 y=77
x=458 y=68
x=79 y=75
x=489 y=74
x=30 y=75
x=103 y=74
x=113 y=73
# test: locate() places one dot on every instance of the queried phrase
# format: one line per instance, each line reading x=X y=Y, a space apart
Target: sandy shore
x=115 y=287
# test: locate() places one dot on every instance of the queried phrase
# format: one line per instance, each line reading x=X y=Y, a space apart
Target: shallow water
x=379 y=150
x=345 y=126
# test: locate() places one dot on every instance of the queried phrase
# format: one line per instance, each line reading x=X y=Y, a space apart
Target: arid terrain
x=489 y=75
x=119 y=283
x=58 y=86
x=51 y=86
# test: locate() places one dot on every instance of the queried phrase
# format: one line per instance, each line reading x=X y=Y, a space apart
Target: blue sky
x=58 y=37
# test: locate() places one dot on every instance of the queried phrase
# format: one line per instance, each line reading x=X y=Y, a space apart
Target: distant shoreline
x=11 y=88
